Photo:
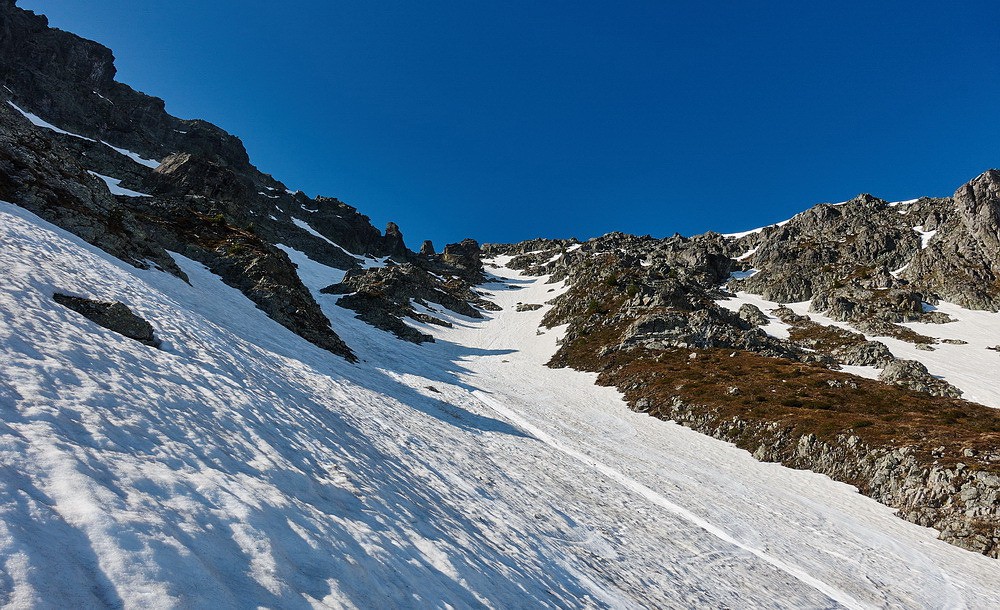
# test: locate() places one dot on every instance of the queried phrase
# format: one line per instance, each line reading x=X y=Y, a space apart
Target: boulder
x=914 y=375
x=114 y=316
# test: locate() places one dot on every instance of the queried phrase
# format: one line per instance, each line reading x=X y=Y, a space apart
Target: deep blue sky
x=511 y=120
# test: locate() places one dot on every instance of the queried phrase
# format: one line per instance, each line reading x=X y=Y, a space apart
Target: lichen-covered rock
x=465 y=260
x=865 y=353
x=961 y=263
x=913 y=375
x=751 y=314
x=704 y=328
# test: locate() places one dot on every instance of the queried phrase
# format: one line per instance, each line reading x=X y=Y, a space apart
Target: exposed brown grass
x=823 y=338
x=802 y=398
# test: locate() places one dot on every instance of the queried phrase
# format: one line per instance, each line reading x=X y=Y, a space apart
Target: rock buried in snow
x=528 y=306
x=114 y=316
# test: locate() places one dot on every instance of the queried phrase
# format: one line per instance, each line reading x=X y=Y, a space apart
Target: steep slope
x=239 y=465
x=109 y=164
x=178 y=424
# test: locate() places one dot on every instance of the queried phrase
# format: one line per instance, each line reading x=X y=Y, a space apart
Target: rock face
x=465 y=260
x=702 y=328
x=978 y=204
x=962 y=262
x=207 y=201
x=393 y=242
x=751 y=314
x=48 y=179
x=869 y=259
x=114 y=316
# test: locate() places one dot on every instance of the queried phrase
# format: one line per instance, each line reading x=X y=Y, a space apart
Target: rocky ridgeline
x=868 y=259
x=203 y=198
x=643 y=311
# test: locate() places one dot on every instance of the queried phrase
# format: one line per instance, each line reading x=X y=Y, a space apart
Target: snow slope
x=241 y=466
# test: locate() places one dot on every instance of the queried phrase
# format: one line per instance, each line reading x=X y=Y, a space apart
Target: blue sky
x=511 y=120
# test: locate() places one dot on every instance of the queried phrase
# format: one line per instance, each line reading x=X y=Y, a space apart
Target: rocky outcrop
x=43 y=175
x=207 y=201
x=962 y=262
x=385 y=296
x=863 y=353
x=246 y=262
x=528 y=246
x=913 y=375
x=751 y=314
x=114 y=316
x=644 y=313
x=703 y=328
x=465 y=260
x=392 y=242
x=978 y=204
x=867 y=259
x=817 y=249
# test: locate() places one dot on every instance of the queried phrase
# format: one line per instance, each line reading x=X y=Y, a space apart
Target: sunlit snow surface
x=241 y=466
x=151 y=163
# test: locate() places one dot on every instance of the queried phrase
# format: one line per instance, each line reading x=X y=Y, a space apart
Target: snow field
x=241 y=466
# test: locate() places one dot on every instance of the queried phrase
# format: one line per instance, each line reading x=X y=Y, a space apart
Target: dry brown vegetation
x=802 y=398
x=823 y=338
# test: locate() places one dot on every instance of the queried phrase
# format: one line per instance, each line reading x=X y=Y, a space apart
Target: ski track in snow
x=241 y=466
x=655 y=498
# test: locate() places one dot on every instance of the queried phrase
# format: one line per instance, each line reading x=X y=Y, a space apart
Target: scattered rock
x=114 y=316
